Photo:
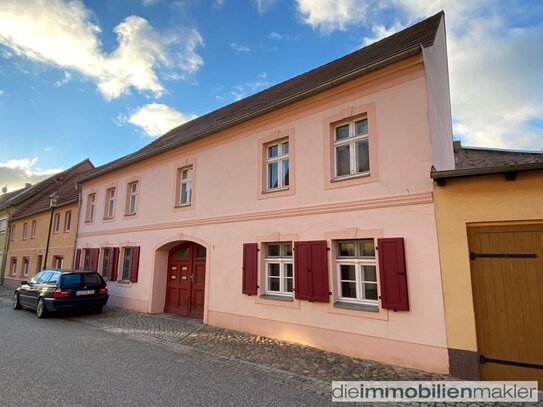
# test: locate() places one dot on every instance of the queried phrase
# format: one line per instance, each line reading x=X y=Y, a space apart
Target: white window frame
x=283 y=260
x=33 y=227
x=68 y=221
x=91 y=206
x=110 y=203
x=104 y=263
x=132 y=198
x=25 y=231
x=127 y=251
x=57 y=260
x=280 y=158
x=13 y=266
x=25 y=266
x=350 y=141
x=185 y=181
x=3 y=225
x=56 y=222
x=359 y=262
x=12 y=231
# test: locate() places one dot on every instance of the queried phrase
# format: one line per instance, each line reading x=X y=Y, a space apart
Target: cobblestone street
x=291 y=364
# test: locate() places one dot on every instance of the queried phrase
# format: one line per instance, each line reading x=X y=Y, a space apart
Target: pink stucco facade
x=229 y=208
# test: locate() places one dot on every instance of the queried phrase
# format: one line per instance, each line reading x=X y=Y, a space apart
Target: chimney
x=28 y=185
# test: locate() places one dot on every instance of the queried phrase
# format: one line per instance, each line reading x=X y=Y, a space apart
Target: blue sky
x=100 y=79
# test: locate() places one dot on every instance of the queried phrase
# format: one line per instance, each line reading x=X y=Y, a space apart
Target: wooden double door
x=507 y=280
x=185 y=289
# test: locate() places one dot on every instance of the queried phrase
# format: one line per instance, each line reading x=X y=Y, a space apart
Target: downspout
x=76 y=226
x=6 y=246
x=48 y=238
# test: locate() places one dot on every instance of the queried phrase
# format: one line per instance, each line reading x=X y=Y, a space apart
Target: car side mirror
x=24 y=282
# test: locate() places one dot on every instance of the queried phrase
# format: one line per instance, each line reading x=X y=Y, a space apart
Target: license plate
x=84 y=292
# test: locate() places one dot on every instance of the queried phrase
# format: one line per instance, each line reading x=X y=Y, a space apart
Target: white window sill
x=271 y=191
x=183 y=205
x=277 y=297
x=358 y=307
x=350 y=176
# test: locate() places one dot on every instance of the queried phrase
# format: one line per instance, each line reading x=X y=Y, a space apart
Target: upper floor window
x=277 y=165
x=110 y=203
x=25 y=231
x=68 y=221
x=278 y=266
x=56 y=223
x=91 y=207
x=12 y=232
x=3 y=225
x=351 y=149
x=33 y=226
x=184 y=181
x=356 y=271
x=132 y=195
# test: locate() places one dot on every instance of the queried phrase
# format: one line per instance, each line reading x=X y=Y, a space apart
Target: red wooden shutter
x=311 y=271
x=250 y=269
x=93 y=259
x=77 y=259
x=393 y=275
x=113 y=264
x=135 y=264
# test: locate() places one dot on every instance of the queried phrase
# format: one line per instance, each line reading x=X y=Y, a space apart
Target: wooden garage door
x=507 y=280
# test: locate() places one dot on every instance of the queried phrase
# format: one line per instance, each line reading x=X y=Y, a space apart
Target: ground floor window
x=13 y=266
x=25 y=266
x=58 y=262
x=106 y=253
x=279 y=270
x=356 y=271
x=127 y=263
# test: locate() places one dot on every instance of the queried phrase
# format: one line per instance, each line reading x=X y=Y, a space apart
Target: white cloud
x=264 y=5
x=241 y=91
x=148 y=3
x=496 y=64
x=1 y=92
x=380 y=32
x=282 y=37
x=64 y=34
x=496 y=71
x=15 y=173
x=239 y=47
x=67 y=77
x=156 y=119
x=330 y=15
x=218 y=3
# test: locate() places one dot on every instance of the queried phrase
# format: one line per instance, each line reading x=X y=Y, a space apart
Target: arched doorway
x=185 y=286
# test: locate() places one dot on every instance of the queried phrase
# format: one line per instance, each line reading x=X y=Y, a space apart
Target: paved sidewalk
x=304 y=366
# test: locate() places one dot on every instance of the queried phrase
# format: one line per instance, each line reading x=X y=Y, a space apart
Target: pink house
x=304 y=212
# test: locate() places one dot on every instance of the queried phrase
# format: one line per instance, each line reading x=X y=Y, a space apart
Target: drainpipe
x=5 y=248
x=77 y=227
x=52 y=205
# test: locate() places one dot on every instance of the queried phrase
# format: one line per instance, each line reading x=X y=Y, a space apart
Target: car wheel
x=40 y=309
x=16 y=302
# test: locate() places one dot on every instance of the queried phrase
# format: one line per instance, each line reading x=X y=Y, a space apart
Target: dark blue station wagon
x=55 y=290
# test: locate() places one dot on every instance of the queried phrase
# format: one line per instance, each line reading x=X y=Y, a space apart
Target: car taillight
x=103 y=291
x=60 y=294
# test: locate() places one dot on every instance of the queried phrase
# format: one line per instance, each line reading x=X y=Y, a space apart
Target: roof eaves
x=470 y=172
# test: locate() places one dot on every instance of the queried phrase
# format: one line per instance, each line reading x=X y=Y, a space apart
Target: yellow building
x=43 y=225
x=490 y=230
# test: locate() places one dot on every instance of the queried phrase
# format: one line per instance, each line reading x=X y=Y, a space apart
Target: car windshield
x=72 y=280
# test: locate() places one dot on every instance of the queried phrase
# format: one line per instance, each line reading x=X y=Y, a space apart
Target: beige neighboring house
x=42 y=225
x=5 y=203
x=490 y=229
